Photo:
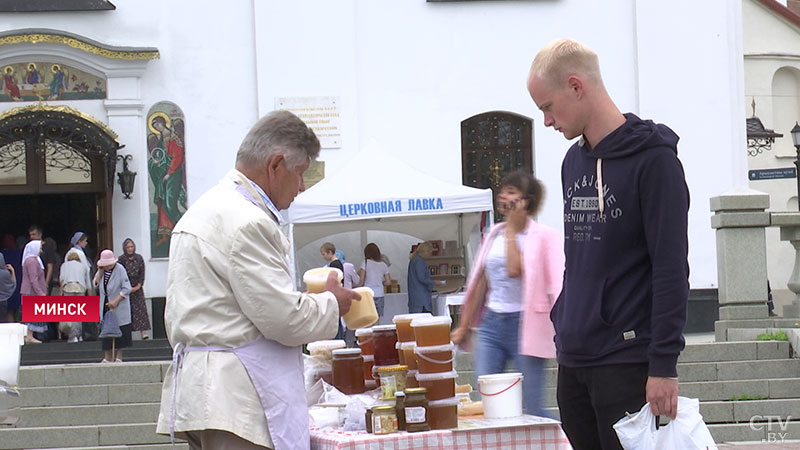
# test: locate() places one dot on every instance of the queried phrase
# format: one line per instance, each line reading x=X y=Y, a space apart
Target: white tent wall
x=393 y=235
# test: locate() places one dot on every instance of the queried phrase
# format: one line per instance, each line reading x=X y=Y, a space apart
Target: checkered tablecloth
x=528 y=437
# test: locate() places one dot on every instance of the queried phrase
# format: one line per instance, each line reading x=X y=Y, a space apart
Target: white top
x=374 y=278
x=75 y=272
x=504 y=294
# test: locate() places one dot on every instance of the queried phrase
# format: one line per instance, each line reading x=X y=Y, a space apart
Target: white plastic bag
x=686 y=432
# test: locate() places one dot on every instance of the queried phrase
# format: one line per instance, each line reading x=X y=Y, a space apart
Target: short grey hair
x=279 y=132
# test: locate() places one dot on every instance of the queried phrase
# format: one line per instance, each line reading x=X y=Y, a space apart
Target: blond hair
x=563 y=58
x=73 y=257
x=422 y=246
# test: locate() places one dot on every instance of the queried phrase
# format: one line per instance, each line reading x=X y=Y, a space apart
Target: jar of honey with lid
x=384 y=340
x=348 y=370
x=416 y=410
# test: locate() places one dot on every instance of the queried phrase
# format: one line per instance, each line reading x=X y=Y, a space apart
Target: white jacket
x=229 y=284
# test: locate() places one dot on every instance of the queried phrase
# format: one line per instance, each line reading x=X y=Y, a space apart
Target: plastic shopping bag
x=686 y=432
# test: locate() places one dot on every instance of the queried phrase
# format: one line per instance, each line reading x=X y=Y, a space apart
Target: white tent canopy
x=377 y=195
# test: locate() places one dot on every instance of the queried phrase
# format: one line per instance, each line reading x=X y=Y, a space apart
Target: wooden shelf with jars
x=447 y=268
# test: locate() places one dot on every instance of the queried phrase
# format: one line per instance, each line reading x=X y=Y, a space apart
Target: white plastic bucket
x=12 y=337
x=502 y=394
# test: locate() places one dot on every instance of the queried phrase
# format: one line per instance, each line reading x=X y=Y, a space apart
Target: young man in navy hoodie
x=620 y=317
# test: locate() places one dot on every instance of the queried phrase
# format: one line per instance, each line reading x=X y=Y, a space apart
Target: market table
x=526 y=432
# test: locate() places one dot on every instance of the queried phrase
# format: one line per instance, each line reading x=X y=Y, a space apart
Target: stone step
x=774 y=388
x=88 y=415
x=60 y=352
x=739 y=370
x=80 y=436
x=750 y=349
x=735 y=351
x=771 y=435
x=751 y=410
x=752 y=334
x=90 y=395
x=92 y=374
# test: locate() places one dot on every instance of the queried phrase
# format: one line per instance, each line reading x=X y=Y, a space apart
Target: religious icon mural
x=166 y=166
x=41 y=81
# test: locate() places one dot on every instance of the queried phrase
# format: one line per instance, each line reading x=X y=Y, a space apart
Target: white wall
x=408 y=73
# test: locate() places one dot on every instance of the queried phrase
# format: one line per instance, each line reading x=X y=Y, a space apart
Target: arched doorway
x=56 y=170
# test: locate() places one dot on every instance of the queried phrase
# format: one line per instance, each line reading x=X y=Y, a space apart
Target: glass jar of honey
x=430 y=331
x=384 y=420
x=348 y=370
x=403 y=323
x=393 y=379
x=416 y=410
x=364 y=337
x=384 y=339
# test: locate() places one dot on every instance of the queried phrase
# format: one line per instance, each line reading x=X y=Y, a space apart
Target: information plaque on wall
x=321 y=114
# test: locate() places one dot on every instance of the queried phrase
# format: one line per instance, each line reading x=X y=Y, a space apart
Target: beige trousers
x=218 y=440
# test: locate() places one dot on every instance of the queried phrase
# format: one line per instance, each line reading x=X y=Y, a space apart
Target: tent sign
x=390 y=206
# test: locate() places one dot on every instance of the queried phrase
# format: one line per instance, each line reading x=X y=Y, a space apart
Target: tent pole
x=460 y=230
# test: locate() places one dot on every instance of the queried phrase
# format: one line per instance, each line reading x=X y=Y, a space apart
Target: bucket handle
x=436 y=361
x=498 y=393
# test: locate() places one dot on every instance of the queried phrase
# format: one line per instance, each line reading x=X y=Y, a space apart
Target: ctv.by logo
x=776 y=429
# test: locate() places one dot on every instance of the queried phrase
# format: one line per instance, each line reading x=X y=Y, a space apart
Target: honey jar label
x=388 y=386
x=415 y=414
x=384 y=424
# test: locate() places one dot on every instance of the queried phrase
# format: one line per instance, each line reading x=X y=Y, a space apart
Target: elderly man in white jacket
x=233 y=316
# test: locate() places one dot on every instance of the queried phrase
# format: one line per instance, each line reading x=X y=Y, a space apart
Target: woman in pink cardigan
x=515 y=280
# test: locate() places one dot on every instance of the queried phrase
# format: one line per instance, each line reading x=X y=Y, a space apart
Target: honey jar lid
x=346 y=352
x=435 y=320
x=397 y=368
x=409 y=317
x=391 y=327
x=322 y=346
x=364 y=332
x=416 y=390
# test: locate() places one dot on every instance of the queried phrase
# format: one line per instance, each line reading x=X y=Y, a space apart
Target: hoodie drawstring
x=600 y=202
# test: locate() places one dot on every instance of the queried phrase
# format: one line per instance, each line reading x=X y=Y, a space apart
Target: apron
x=277 y=374
x=275 y=370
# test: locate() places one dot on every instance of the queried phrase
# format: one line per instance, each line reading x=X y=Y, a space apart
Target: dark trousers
x=592 y=399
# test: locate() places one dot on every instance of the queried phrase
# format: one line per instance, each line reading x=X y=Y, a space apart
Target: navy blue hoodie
x=626 y=282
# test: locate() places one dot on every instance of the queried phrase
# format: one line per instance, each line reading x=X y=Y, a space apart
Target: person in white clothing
x=74 y=280
x=234 y=316
x=374 y=274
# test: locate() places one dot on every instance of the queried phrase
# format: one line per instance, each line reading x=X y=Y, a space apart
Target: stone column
x=740 y=220
x=789 y=223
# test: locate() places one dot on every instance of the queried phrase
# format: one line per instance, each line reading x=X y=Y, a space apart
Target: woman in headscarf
x=33 y=283
x=134 y=264
x=114 y=288
x=79 y=241
x=8 y=284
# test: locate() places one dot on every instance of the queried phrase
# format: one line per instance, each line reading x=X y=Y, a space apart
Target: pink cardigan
x=542 y=277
